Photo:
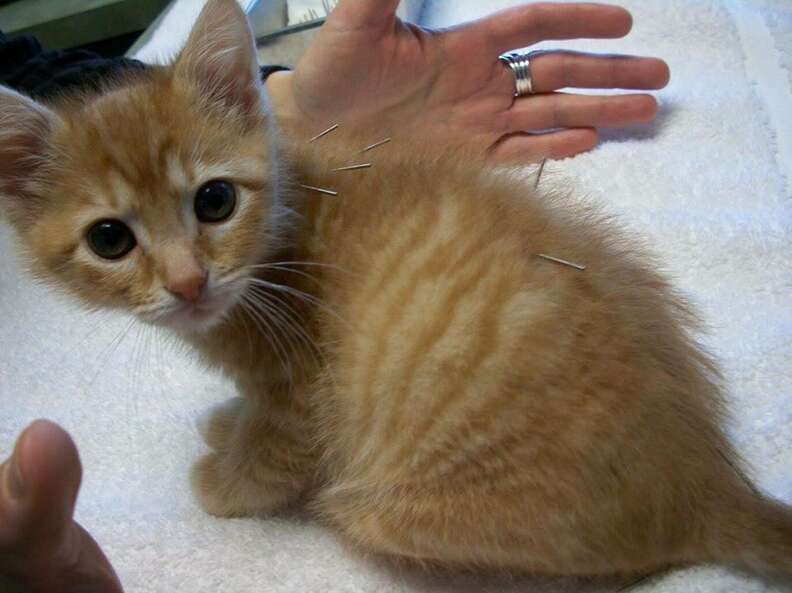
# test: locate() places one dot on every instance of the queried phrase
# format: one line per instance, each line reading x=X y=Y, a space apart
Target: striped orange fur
x=406 y=362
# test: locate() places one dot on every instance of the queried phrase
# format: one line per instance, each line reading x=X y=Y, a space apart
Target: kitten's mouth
x=202 y=315
x=201 y=311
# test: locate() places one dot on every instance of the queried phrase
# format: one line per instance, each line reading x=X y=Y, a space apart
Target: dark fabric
x=26 y=67
x=267 y=70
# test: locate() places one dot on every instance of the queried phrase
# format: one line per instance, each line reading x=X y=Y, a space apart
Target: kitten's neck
x=270 y=338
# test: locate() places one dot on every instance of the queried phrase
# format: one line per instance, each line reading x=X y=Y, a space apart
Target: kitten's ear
x=220 y=56
x=25 y=127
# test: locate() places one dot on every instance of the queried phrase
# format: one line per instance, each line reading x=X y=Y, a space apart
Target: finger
x=560 y=110
x=92 y=571
x=40 y=485
x=522 y=148
x=525 y=25
x=359 y=14
x=555 y=70
x=41 y=547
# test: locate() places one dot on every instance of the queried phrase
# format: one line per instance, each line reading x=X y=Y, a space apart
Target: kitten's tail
x=757 y=536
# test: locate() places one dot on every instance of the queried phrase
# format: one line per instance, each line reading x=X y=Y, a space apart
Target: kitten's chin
x=196 y=320
x=201 y=317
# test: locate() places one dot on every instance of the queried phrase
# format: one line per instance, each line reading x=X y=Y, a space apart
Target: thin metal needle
x=639 y=581
x=561 y=261
x=352 y=167
x=328 y=192
x=332 y=128
x=539 y=173
x=376 y=145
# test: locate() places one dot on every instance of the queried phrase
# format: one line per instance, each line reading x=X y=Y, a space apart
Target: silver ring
x=520 y=66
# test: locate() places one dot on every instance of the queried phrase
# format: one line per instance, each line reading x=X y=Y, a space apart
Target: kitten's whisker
x=260 y=291
x=302 y=263
x=230 y=277
x=266 y=330
x=291 y=350
x=297 y=272
x=352 y=167
x=285 y=323
x=89 y=333
x=332 y=128
x=293 y=320
x=139 y=359
x=376 y=145
x=136 y=360
x=327 y=192
x=110 y=350
x=561 y=261
x=287 y=269
x=238 y=313
x=303 y=296
x=148 y=346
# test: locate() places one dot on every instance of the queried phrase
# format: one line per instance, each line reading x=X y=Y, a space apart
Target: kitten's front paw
x=216 y=425
x=228 y=488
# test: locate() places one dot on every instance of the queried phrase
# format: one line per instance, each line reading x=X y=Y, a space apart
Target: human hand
x=42 y=548
x=367 y=69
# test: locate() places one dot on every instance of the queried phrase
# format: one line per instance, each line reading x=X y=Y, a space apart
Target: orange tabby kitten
x=404 y=358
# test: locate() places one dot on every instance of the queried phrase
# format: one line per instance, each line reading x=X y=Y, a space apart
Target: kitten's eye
x=111 y=239
x=215 y=201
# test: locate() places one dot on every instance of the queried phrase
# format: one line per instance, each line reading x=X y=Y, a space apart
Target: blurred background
x=117 y=27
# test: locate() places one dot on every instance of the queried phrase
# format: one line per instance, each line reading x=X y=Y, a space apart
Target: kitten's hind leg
x=263 y=458
x=457 y=528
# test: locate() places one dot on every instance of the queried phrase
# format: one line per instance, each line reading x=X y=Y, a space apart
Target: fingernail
x=14 y=482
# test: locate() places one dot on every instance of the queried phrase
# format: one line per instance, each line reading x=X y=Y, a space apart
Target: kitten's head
x=156 y=195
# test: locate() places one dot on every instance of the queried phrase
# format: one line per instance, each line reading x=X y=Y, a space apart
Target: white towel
x=710 y=188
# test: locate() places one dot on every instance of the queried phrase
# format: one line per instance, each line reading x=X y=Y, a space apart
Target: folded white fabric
x=709 y=187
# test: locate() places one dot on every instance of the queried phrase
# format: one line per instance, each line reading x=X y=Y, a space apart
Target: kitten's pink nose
x=188 y=287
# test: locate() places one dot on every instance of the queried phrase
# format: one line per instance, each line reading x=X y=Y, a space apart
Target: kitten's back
x=555 y=401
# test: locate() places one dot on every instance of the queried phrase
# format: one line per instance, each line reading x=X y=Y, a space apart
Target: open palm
x=366 y=68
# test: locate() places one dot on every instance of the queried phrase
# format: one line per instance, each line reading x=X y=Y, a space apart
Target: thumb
x=44 y=475
x=355 y=14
